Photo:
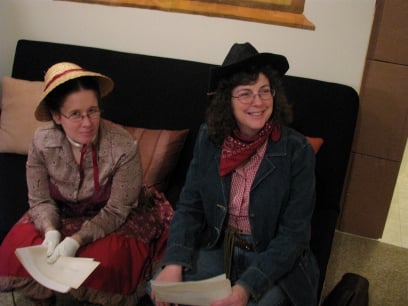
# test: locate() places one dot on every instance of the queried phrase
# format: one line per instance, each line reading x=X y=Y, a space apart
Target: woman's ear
x=56 y=117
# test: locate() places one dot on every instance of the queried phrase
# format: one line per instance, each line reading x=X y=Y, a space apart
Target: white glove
x=51 y=240
x=67 y=247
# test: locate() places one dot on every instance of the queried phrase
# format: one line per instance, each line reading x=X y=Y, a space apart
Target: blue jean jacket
x=281 y=204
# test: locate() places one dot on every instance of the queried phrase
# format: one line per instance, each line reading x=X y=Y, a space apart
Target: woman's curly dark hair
x=219 y=116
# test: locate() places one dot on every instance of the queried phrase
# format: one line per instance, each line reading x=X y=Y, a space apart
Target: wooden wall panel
x=389 y=32
x=382 y=126
x=383 y=111
x=371 y=184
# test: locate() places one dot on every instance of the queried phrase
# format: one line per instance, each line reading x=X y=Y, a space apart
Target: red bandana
x=238 y=148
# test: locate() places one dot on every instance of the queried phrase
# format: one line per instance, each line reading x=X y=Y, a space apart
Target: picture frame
x=279 y=12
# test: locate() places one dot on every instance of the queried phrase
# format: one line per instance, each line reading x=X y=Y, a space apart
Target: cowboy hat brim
x=276 y=61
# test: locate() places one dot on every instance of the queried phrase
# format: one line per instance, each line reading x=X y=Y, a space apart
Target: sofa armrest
x=13 y=190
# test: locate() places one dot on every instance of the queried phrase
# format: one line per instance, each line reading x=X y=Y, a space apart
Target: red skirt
x=127 y=256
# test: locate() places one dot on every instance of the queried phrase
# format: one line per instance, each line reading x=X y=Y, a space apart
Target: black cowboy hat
x=244 y=55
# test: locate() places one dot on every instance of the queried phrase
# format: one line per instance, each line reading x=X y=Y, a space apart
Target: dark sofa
x=163 y=93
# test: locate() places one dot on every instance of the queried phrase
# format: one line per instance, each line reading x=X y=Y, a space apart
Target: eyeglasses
x=76 y=116
x=247 y=96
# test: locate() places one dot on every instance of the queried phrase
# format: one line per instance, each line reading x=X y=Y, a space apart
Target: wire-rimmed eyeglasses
x=77 y=116
x=248 y=96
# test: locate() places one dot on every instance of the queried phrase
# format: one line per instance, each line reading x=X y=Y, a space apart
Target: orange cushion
x=159 y=151
x=316 y=143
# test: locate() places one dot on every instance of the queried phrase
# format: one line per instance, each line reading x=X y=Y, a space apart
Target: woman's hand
x=68 y=247
x=51 y=239
x=238 y=297
x=170 y=273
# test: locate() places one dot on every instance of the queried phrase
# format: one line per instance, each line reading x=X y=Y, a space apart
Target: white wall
x=334 y=52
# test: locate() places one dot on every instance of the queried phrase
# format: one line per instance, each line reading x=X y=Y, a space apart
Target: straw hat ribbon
x=59 y=74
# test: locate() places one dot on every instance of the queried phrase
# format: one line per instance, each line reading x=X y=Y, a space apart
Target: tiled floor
x=396 y=227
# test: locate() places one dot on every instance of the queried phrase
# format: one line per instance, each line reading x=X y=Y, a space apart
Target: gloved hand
x=68 y=247
x=51 y=240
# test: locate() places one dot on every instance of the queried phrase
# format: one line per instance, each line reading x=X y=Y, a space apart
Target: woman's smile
x=252 y=115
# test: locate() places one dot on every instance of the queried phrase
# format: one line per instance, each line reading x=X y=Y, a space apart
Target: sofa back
x=163 y=93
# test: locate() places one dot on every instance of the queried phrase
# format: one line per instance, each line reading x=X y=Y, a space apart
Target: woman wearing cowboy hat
x=84 y=179
x=246 y=206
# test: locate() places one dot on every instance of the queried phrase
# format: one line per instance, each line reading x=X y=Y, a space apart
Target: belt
x=243 y=244
x=231 y=240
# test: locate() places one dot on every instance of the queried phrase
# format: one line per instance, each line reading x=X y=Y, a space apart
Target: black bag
x=352 y=290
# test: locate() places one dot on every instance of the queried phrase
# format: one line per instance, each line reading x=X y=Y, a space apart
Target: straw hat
x=241 y=56
x=59 y=74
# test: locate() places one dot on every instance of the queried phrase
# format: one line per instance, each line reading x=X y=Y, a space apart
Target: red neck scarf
x=238 y=148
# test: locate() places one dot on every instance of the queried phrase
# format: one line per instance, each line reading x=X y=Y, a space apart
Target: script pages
x=64 y=274
x=200 y=293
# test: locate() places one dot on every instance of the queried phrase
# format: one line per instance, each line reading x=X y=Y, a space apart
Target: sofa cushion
x=159 y=152
x=315 y=142
x=17 y=124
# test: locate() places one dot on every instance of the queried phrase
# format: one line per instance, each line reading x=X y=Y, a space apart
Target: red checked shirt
x=242 y=179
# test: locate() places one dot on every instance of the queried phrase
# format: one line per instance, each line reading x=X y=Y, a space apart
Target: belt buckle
x=247 y=247
x=243 y=244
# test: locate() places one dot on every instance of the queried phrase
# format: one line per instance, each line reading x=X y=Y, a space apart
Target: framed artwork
x=279 y=12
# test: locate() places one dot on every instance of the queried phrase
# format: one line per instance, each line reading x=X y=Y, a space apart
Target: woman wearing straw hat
x=84 y=179
x=246 y=207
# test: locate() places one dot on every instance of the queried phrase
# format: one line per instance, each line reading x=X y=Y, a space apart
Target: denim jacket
x=281 y=204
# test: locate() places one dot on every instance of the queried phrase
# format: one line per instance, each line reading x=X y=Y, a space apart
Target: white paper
x=197 y=293
x=61 y=276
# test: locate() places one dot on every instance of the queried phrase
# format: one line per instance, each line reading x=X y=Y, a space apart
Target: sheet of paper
x=200 y=293
x=64 y=274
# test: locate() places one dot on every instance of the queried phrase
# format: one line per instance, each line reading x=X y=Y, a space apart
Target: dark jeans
x=210 y=263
